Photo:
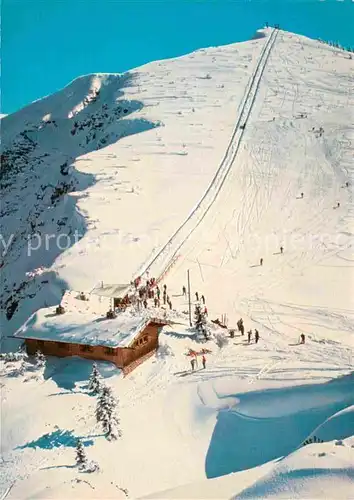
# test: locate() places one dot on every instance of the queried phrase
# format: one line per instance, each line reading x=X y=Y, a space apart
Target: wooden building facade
x=144 y=344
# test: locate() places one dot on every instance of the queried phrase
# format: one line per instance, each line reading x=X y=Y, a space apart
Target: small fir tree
x=95 y=382
x=105 y=413
x=220 y=340
x=40 y=359
x=199 y=318
x=82 y=461
x=81 y=458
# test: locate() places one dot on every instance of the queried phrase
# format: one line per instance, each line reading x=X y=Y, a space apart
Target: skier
x=170 y=304
x=281 y=249
x=158 y=292
x=302 y=338
x=196 y=296
x=205 y=311
x=203 y=299
x=184 y=291
x=193 y=363
x=165 y=288
x=155 y=301
x=145 y=303
x=164 y=297
x=204 y=361
x=302 y=195
x=240 y=326
x=338 y=204
x=347 y=184
x=256 y=336
x=261 y=261
x=249 y=333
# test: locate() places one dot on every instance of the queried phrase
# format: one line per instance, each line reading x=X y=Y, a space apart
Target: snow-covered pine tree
x=220 y=340
x=105 y=413
x=40 y=359
x=113 y=432
x=81 y=458
x=95 y=382
x=101 y=409
x=199 y=318
x=82 y=461
x=11 y=357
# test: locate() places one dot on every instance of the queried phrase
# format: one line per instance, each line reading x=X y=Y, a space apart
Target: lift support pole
x=189 y=299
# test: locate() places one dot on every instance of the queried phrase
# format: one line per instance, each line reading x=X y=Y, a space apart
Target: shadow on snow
x=72 y=373
x=46 y=154
x=265 y=425
x=58 y=438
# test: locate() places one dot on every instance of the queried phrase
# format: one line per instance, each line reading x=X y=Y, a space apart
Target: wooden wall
x=144 y=344
x=63 y=349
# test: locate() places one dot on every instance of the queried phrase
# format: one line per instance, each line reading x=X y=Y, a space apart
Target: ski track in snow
x=224 y=168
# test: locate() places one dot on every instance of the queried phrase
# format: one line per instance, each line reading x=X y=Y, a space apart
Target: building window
x=86 y=348
x=61 y=345
x=143 y=340
x=109 y=350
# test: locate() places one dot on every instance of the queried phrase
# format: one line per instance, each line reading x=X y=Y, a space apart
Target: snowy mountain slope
x=190 y=432
x=181 y=427
x=258 y=210
x=143 y=175
x=316 y=471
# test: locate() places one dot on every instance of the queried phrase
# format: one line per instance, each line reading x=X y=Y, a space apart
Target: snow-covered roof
x=111 y=290
x=69 y=327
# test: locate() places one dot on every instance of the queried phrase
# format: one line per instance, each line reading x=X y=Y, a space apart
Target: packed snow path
x=168 y=252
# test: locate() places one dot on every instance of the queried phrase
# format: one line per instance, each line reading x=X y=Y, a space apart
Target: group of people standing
x=151 y=291
x=194 y=362
x=256 y=336
x=241 y=328
x=197 y=298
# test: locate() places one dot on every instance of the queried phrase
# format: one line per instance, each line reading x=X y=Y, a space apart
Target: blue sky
x=48 y=43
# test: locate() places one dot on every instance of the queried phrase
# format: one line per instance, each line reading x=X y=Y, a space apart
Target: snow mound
x=93 y=330
x=338 y=426
x=317 y=471
x=48 y=484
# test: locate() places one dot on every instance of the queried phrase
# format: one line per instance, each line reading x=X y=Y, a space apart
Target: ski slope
x=158 y=265
x=175 y=184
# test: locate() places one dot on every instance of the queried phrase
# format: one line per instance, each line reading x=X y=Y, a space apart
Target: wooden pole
x=189 y=299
